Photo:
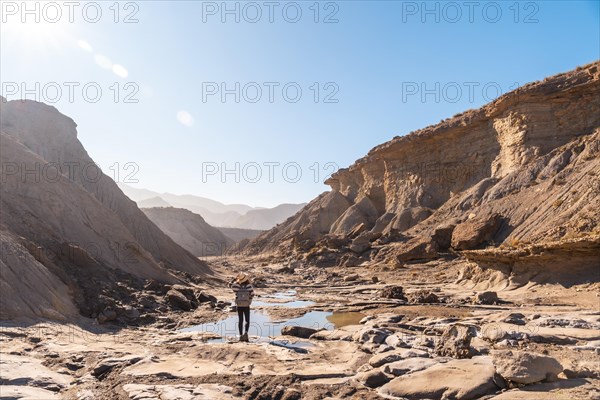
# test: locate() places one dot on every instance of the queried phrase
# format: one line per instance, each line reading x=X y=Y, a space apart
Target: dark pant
x=243 y=312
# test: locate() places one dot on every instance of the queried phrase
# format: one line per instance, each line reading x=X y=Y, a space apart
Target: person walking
x=244 y=292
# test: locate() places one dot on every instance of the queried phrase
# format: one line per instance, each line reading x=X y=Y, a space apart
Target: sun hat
x=242 y=277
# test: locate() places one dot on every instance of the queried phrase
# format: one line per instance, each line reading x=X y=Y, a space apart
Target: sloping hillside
x=87 y=237
x=521 y=170
x=189 y=230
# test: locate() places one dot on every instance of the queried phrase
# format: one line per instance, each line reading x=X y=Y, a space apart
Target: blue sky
x=370 y=68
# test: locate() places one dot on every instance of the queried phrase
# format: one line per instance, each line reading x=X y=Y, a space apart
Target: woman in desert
x=244 y=292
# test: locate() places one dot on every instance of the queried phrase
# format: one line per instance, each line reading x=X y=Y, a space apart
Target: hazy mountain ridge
x=153 y=202
x=215 y=213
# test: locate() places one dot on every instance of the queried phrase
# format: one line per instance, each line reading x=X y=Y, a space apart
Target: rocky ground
x=427 y=333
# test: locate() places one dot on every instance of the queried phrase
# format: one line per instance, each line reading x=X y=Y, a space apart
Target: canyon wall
x=71 y=240
x=523 y=169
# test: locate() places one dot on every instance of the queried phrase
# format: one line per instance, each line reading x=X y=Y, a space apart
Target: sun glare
x=34 y=37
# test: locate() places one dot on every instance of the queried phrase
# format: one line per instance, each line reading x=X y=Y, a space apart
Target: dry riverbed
x=365 y=340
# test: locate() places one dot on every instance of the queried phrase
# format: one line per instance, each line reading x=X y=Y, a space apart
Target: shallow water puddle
x=263 y=327
x=340 y=319
x=289 y=296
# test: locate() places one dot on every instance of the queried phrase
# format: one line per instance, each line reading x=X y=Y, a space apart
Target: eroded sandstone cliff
x=523 y=169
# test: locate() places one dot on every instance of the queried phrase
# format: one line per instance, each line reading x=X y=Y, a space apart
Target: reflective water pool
x=263 y=327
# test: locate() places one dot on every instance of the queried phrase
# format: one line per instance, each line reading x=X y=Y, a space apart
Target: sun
x=34 y=37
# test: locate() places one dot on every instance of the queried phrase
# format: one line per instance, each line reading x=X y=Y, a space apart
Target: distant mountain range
x=215 y=213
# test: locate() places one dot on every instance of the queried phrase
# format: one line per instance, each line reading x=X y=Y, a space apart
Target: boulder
x=456 y=342
x=298 y=331
x=456 y=379
x=487 y=298
x=202 y=297
x=188 y=292
x=223 y=304
x=417 y=249
x=373 y=378
x=392 y=292
x=423 y=296
x=360 y=244
x=525 y=367
x=442 y=236
x=177 y=300
x=475 y=232
x=131 y=313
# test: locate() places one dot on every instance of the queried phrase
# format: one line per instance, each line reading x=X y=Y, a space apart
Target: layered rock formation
x=522 y=169
x=66 y=227
x=189 y=230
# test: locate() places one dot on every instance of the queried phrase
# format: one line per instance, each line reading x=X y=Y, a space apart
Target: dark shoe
x=244 y=338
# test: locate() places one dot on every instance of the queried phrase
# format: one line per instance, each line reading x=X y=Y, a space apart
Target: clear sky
x=192 y=89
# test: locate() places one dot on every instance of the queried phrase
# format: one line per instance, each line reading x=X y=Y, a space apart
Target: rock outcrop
x=522 y=169
x=66 y=227
x=457 y=379
x=526 y=368
x=189 y=230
